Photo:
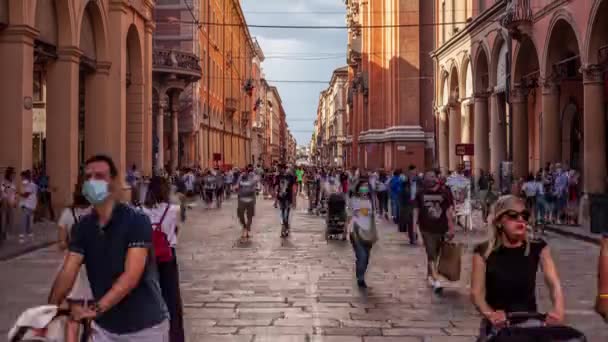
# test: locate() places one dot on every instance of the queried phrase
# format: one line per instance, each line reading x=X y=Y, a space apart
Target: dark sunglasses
x=514 y=215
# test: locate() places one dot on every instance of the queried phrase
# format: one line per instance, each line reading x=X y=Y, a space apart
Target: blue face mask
x=95 y=191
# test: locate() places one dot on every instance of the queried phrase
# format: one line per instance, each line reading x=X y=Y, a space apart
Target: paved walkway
x=302 y=288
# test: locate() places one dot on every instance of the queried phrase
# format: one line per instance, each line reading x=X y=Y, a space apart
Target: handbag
x=450 y=261
x=162 y=249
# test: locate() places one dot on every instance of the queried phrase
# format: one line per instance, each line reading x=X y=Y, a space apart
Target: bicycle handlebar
x=517 y=316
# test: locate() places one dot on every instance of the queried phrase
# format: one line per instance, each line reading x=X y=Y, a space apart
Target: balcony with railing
x=177 y=64
x=231 y=105
x=519 y=17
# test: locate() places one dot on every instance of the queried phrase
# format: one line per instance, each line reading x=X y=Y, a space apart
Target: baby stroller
x=44 y=323
x=336 y=217
x=530 y=327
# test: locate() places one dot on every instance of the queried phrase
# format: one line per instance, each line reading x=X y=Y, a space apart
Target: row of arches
x=556 y=90
x=83 y=66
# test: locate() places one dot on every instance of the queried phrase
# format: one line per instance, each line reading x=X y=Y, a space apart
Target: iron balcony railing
x=176 y=62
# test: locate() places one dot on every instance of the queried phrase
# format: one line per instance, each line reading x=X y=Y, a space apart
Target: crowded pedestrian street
x=302 y=288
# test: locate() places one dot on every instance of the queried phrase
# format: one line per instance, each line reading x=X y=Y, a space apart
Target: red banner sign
x=465 y=149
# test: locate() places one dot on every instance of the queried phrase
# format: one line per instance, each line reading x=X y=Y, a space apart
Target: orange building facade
x=390 y=112
x=227 y=87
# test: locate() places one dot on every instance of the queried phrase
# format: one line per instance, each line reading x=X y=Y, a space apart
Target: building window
x=38 y=95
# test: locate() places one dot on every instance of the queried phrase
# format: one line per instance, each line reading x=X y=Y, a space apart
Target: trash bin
x=599 y=213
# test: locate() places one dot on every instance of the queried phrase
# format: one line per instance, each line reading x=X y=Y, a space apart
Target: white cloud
x=300 y=100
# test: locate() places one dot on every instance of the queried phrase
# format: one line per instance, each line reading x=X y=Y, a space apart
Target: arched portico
x=595 y=78
x=562 y=85
x=525 y=83
x=135 y=99
x=467 y=103
x=481 y=159
x=442 y=126
x=498 y=105
x=454 y=117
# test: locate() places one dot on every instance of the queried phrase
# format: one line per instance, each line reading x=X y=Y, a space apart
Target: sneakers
x=435 y=285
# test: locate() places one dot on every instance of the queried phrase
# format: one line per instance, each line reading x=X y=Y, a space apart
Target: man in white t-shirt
x=27 y=203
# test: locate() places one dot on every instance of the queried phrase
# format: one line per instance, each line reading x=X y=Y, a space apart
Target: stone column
x=97 y=123
x=17 y=56
x=551 y=148
x=481 y=137
x=498 y=152
x=174 y=137
x=147 y=167
x=467 y=121
x=519 y=102
x=62 y=129
x=455 y=130
x=160 y=134
x=443 y=140
x=594 y=128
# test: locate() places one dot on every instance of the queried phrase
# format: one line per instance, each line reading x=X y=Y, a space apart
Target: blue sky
x=297 y=54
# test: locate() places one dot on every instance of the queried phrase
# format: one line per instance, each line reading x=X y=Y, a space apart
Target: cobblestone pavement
x=302 y=288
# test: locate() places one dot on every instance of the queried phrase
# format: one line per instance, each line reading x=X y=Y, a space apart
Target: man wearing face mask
x=114 y=244
x=434 y=214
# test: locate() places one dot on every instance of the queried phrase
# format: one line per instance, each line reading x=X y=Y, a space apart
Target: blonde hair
x=502 y=205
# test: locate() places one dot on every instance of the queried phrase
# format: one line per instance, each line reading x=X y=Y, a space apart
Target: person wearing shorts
x=433 y=215
x=246 y=191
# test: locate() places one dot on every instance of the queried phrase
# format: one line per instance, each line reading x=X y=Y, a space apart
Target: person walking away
x=158 y=209
x=601 y=303
x=573 y=196
x=363 y=233
x=548 y=184
x=117 y=243
x=27 y=203
x=246 y=190
x=8 y=201
x=286 y=196
x=434 y=216
x=381 y=191
x=408 y=202
x=561 y=194
x=530 y=190
x=228 y=183
x=395 y=188
x=219 y=192
x=299 y=175
x=209 y=188
x=44 y=198
x=80 y=295
x=503 y=278
x=483 y=185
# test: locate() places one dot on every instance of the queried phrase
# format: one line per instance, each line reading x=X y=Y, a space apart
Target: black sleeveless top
x=511 y=277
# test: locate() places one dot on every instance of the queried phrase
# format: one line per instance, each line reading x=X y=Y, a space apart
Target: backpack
x=162 y=249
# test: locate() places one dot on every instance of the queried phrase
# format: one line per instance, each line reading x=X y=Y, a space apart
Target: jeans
x=540 y=208
x=27 y=220
x=285 y=210
x=362 y=252
x=406 y=221
x=382 y=202
x=395 y=208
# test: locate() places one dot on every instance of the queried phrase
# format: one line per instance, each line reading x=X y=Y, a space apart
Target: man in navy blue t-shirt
x=115 y=245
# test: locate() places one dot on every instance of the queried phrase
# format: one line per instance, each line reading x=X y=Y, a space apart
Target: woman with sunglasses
x=503 y=279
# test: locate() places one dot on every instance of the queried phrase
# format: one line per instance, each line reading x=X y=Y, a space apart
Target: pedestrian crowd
x=129 y=285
